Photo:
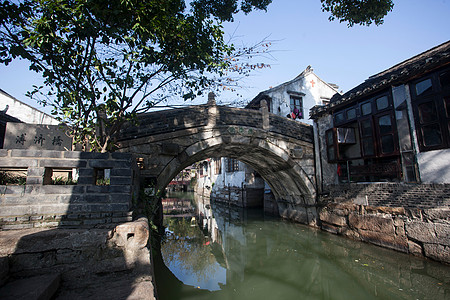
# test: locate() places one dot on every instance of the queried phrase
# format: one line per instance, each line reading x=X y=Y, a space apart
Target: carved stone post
x=212 y=110
x=265 y=114
x=211 y=98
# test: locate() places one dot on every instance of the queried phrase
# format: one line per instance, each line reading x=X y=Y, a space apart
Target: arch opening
x=293 y=190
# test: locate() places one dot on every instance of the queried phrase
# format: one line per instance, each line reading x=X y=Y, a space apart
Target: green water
x=226 y=253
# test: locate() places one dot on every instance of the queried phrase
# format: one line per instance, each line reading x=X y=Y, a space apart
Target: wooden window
x=351 y=114
x=217 y=166
x=345 y=116
x=387 y=135
x=232 y=165
x=332 y=147
x=366 y=108
x=297 y=102
x=424 y=87
x=382 y=103
x=431 y=108
x=339 y=118
x=367 y=137
x=374 y=118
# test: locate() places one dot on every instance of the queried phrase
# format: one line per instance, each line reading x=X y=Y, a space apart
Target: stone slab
x=332 y=218
x=4 y=269
x=436 y=233
x=42 y=240
x=437 y=252
x=372 y=222
x=382 y=239
x=34 y=288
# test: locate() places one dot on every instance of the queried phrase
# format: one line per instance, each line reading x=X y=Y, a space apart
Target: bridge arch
x=279 y=149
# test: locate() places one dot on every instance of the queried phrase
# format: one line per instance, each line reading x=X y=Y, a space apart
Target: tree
x=105 y=61
x=360 y=12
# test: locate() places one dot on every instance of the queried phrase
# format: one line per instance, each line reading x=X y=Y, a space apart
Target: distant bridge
x=279 y=149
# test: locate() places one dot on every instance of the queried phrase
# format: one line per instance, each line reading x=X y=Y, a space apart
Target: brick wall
x=390 y=194
x=38 y=204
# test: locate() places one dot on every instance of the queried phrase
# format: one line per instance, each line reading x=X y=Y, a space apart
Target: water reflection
x=241 y=254
x=187 y=252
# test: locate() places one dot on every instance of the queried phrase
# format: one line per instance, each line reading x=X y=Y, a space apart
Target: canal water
x=222 y=252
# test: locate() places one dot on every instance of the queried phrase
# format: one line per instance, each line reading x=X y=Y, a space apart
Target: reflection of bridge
x=177 y=205
x=279 y=149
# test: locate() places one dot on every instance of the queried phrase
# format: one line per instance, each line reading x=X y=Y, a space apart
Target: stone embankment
x=77 y=263
x=421 y=232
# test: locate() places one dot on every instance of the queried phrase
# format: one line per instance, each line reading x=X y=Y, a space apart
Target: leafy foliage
x=63 y=181
x=8 y=178
x=104 y=61
x=360 y=12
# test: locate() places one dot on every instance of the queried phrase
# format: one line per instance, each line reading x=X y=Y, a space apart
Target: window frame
x=232 y=165
x=334 y=144
x=379 y=135
x=299 y=107
x=438 y=96
x=372 y=136
x=217 y=166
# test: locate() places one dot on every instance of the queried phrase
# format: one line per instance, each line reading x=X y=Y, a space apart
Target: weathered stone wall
x=411 y=218
x=92 y=263
x=85 y=204
x=422 y=232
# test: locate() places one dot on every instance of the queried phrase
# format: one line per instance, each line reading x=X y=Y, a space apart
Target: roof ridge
x=410 y=60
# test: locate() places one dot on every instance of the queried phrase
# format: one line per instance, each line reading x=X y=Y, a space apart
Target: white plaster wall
x=313 y=95
x=229 y=178
x=208 y=178
x=24 y=112
x=434 y=166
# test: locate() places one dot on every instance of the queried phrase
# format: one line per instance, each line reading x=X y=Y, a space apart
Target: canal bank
x=92 y=263
x=247 y=255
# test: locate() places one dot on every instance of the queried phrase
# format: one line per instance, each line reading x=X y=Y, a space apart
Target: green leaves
x=360 y=12
x=104 y=61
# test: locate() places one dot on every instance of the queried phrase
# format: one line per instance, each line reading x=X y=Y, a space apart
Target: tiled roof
x=254 y=103
x=398 y=74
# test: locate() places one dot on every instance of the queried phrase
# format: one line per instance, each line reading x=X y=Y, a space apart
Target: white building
x=303 y=92
x=15 y=112
x=23 y=112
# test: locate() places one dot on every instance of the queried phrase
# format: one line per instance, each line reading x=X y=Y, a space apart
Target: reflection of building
x=176 y=206
x=393 y=127
x=182 y=182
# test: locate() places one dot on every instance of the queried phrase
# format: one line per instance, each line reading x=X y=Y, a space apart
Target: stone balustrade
x=93 y=199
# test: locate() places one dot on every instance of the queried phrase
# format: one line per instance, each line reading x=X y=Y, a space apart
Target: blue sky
x=304 y=36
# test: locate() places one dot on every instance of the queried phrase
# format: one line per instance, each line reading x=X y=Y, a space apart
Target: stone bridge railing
x=88 y=201
x=168 y=121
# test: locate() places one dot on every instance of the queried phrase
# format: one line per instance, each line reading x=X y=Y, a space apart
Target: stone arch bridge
x=279 y=149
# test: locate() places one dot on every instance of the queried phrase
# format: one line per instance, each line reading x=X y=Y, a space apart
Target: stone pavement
x=91 y=263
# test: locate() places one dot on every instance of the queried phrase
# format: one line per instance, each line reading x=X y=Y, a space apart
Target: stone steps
x=41 y=287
